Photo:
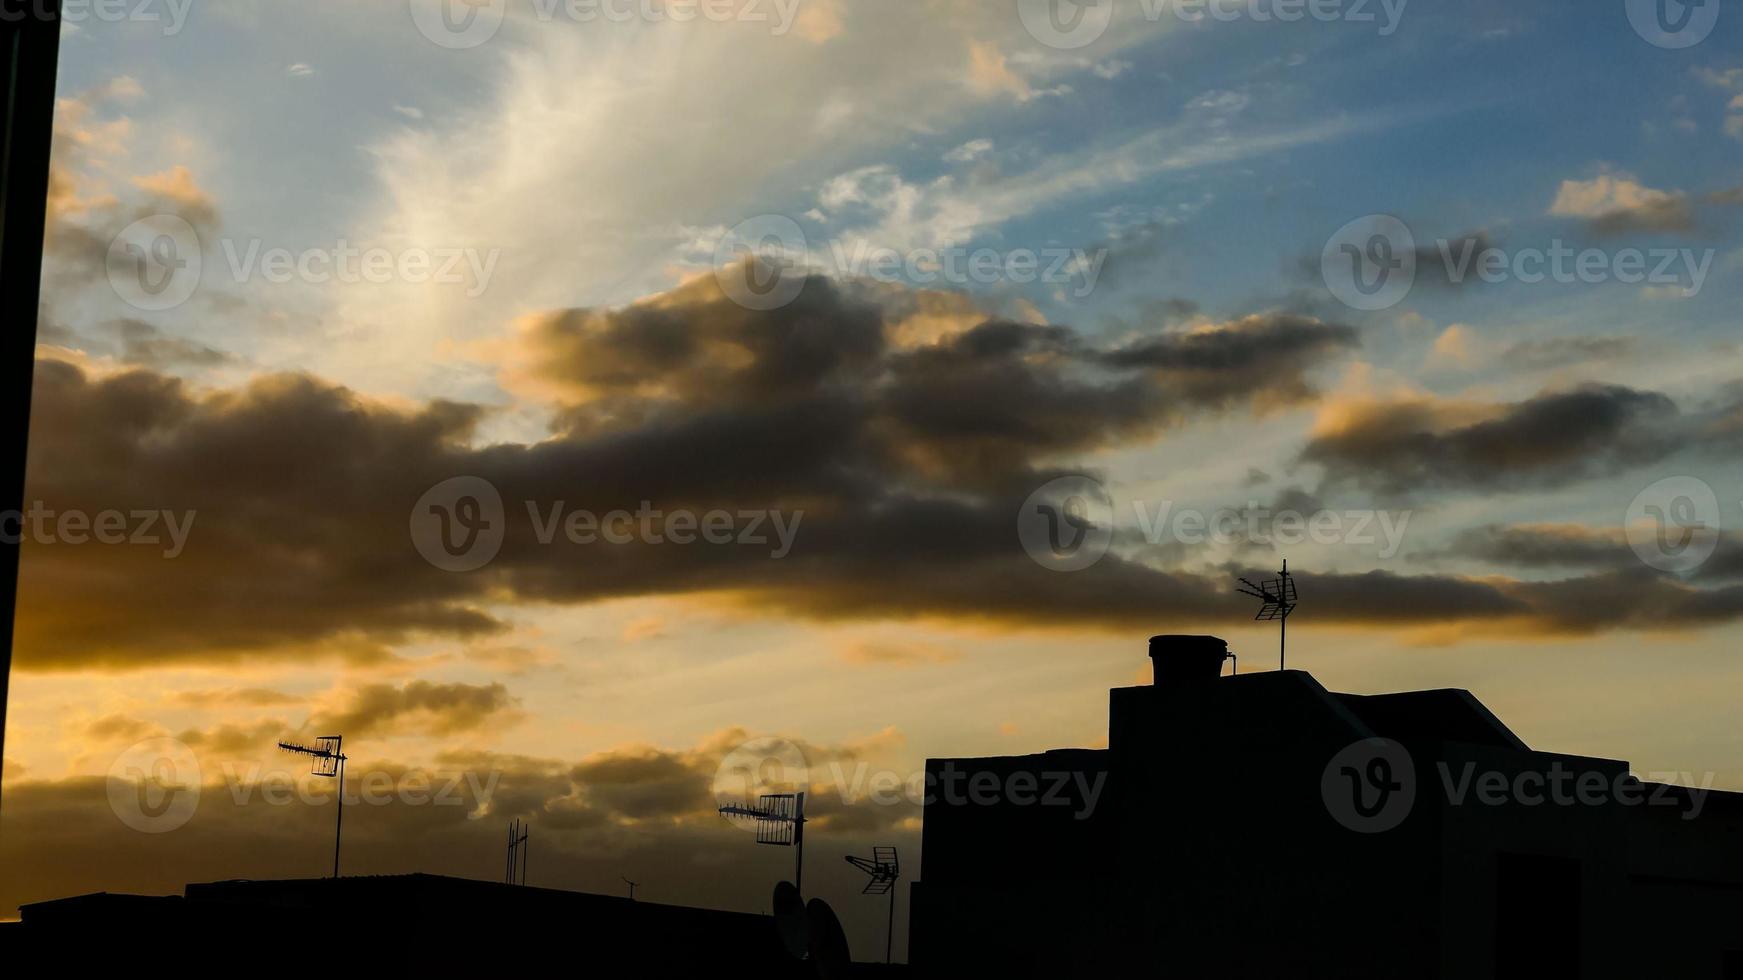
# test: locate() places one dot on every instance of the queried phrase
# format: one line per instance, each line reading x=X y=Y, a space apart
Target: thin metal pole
x=527 y=845
x=1283 y=624
x=799 y=846
x=339 y=821
x=890 y=935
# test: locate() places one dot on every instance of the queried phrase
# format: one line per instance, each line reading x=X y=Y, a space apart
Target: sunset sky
x=1188 y=351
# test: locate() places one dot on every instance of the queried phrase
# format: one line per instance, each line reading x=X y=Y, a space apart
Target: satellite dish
x=828 y=942
x=790 y=920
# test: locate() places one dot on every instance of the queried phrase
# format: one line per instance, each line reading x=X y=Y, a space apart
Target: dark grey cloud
x=1409 y=446
x=900 y=455
x=1665 y=215
x=909 y=461
x=586 y=834
x=1574 y=547
x=419 y=707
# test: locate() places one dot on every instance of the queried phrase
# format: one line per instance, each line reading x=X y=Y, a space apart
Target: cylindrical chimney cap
x=1179 y=657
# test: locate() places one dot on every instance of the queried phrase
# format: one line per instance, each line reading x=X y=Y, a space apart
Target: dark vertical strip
x=30 y=38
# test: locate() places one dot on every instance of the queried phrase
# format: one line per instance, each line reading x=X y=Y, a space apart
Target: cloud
x=238 y=741
x=1453 y=347
x=294 y=495
x=1576 y=547
x=86 y=211
x=112 y=727
x=969 y=151
x=870 y=653
x=906 y=456
x=419 y=708
x=645 y=810
x=1616 y=203
x=134 y=342
x=234 y=697
x=1419 y=443
x=1554 y=352
x=989 y=74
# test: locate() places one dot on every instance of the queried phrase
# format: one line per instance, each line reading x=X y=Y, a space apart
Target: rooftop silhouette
x=1260 y=825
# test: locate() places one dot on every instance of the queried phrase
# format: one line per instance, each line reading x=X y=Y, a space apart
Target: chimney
x=1187 y=658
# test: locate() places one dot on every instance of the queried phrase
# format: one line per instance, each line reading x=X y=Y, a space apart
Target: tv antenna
x=515 y=870
x=632 y=886
x=1279 y=598
x=780 y=820
x=884 y=867
x=327 y=761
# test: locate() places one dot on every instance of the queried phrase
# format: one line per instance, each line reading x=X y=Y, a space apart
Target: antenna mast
x=1279 y=597
x=780 y=820
x=515 y=870
x=885 y=867
x=327 y=761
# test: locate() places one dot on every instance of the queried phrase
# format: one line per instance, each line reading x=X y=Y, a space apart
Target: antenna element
x=328 y=762
x=780 y=819
x=885 y=867
x=1278 y=595
x=515 y=870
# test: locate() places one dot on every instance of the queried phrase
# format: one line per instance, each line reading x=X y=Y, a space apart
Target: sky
x=958 y=349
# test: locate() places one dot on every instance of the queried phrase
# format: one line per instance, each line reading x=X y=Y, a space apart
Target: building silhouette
x=1262 y=826
x=400 y=920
